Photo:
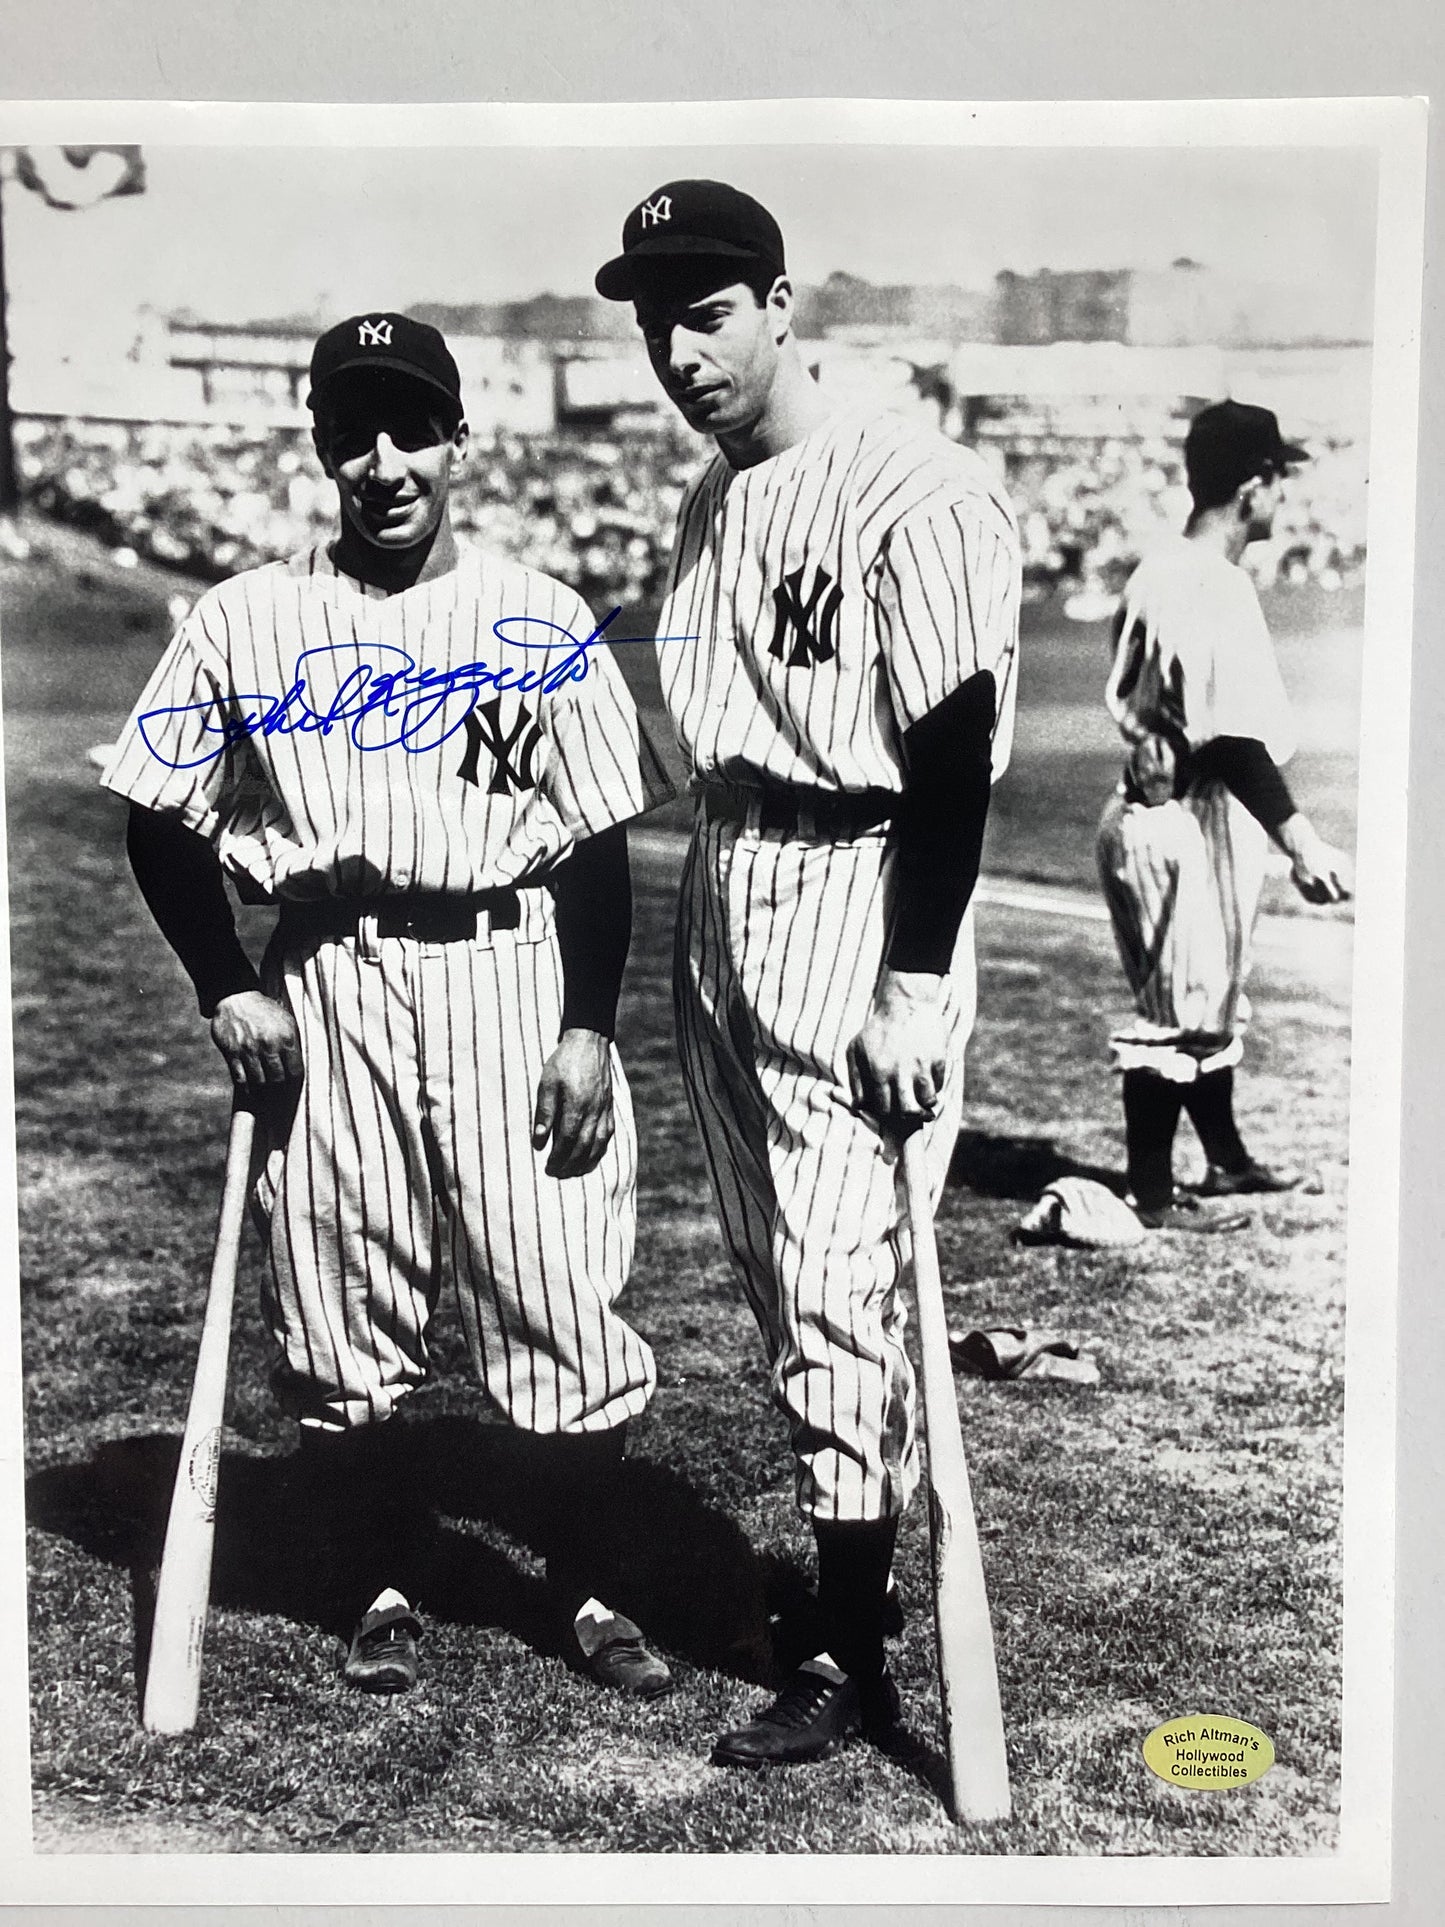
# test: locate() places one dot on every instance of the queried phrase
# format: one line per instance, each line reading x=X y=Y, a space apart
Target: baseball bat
x=183 y=1591
x=967 y=1671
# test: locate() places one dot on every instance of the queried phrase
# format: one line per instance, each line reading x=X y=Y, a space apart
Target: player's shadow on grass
x=997 y=1165
x=683 y=1570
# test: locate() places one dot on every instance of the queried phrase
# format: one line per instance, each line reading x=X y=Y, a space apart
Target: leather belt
x=428 y=917
x=791 y=810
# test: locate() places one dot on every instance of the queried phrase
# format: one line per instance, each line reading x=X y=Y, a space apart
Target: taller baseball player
x=853 y=584
x=411 y=748
x=1197 y=695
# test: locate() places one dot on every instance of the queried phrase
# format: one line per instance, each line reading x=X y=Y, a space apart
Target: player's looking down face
x=714 y=347
x=392 y=448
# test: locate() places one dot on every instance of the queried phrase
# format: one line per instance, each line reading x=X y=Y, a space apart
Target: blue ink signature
x=388 y=702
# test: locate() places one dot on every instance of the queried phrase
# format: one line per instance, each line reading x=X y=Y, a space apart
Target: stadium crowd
x=1085 y=519
x=212 y=499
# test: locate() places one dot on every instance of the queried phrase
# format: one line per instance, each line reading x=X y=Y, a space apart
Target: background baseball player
x=1196 y=691
x=407 y=745
x=853 y=584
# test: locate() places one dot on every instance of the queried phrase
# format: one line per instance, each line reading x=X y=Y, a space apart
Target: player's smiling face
x=392 y=451
x=714 y=348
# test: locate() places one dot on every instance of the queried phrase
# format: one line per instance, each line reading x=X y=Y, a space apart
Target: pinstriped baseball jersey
x=333 y=741
x=328 y=739
x=839 y=591
x=1182 y=879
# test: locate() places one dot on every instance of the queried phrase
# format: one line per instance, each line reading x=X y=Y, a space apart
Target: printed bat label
x=203 y=1469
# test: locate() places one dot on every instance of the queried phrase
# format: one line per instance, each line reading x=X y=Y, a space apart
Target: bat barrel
x=967 y=1669
x=178 y=1628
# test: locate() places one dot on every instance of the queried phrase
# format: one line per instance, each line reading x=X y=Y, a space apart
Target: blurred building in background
x=190 y=442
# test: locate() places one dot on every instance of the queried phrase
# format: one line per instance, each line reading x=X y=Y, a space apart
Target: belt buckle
x=454 y=924
x=431 y=923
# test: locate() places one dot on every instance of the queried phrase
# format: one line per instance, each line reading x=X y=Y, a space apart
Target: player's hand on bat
x=896 y=1063
x=574 y=1104
x=258 y=1039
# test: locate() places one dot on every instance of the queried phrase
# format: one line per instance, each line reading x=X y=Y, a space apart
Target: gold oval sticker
x=1209 y=1751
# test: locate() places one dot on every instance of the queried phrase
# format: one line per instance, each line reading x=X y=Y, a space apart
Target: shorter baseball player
x=1196 y=692
x=410 y=748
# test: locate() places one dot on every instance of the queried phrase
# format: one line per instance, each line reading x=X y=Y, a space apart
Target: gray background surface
x=548 y=50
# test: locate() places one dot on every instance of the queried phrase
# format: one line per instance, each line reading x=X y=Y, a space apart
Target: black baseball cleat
x=382 y=1658
x=1183 y=1213
x=1247 y=1178
x=819 y=1710
x=615 y=1654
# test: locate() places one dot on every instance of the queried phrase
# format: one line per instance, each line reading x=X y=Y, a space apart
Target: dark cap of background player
x=1230 y=443
x=388 y=343
x=690 y=221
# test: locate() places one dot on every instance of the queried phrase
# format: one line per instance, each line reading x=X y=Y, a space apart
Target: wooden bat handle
x=178 y=1630
x=967 y=1671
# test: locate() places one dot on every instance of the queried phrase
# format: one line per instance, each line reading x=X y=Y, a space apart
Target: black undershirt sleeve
x=938 y=826
x=1248 y=771
x=593 y=890
x=180 y=878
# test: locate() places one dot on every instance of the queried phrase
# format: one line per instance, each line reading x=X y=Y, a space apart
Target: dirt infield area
x=1165 y=1542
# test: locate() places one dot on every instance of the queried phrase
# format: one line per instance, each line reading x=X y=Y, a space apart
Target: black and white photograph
x=705 y=891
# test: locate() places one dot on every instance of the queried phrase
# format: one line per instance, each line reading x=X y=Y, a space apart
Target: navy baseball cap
x=393 y=343
x=1232 y=442
x=690 y=220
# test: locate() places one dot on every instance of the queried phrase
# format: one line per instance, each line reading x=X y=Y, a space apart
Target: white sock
x=385 y=1600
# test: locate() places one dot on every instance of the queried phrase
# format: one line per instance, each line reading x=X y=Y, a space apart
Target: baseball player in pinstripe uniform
x=853 y=585
x=409 y=747
x=1197 y=695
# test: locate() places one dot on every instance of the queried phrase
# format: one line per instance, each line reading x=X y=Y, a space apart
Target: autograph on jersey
x=378 y=693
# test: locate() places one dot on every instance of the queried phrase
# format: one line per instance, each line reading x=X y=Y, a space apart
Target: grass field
x=1165 y=1543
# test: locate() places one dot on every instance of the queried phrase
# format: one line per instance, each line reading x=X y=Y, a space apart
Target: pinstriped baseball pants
x=1182 y=881
x=779 y=943
x=410 y=1159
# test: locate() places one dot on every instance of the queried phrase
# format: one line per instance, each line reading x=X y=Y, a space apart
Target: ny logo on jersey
x=654 y=213
x=814 y=621
x=484 y=731
x=374 y=334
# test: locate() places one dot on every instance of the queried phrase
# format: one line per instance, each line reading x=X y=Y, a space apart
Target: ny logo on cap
x=654 y=213
x=374 y=334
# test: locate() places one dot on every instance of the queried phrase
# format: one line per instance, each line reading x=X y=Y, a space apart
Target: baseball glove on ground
x=1077 y=1211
